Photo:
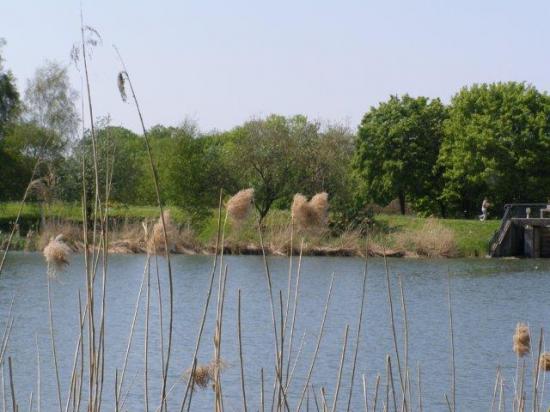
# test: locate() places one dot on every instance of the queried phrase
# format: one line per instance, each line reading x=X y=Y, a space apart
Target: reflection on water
x=489 y=297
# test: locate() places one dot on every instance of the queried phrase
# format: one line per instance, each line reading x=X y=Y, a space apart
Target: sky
x=220 y=63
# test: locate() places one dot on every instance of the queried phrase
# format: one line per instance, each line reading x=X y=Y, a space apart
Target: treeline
x=492 y=140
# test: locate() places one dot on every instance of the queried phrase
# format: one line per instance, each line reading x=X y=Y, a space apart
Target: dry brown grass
x=57 y=252
x=238 y=206
x=522 y=340
x=432 y=240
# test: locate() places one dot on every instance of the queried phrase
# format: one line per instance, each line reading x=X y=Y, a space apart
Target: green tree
x=397 y=149
x=50 y=100
x=497 y=144
x=9 y=96
x=269 y=155
x=196 y=172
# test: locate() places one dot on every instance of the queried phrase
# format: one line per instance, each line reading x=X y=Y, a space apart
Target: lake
x=488 y=298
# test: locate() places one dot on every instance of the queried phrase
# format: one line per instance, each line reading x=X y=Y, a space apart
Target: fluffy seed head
x=57 y=252
x=522 y=340
x=238 y=207
x=319 y=203
x=156 y=243
x=310 y=214
x=544 y=362
x=204 y=374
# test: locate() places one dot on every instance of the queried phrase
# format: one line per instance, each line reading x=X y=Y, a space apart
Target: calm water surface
x=488 y=296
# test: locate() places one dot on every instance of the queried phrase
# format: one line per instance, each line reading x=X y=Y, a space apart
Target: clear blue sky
x=222 y=62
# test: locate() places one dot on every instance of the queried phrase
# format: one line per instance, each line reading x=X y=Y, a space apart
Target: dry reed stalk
x=359 y=324
x=521 y=340
x=405 y=342
x=125 y=75
x=57 y=253
x=146 y=341
x=218 y=341
x=420 y=408
x=536 y=371
x=315 y=398
x=495 y=390
x=273 y=317
x=262 y=401
x=132 y=329
x=376 y=386
x=73 y=384
x=294 y=305
x=161 y=322
x=239 y=336
x=318 y=344
x=54 y=350
x=392 y=386
x=38 y=385
x=239 y=205
x=451 y=332
x=4 y=403
x=15 y=407
x=340 y=369
x=291 y=374
x=207 y=299
x=392 y=320
x=324 y=399
x=501 y=395
x=365 y=400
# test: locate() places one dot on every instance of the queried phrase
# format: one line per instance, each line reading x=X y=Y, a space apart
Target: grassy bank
x=397 y=235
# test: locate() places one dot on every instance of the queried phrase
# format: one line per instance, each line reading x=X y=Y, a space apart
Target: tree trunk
x=402 y=203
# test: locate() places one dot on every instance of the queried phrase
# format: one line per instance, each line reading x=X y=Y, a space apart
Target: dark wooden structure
x=524 y=231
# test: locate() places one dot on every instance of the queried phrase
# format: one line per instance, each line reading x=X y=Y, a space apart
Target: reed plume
x=156 y=244
x=202 y=375
x=319 y=204
x=238 y=207
x=310 y=214
x=522 y=340
x=57 y=252
x=544 y=362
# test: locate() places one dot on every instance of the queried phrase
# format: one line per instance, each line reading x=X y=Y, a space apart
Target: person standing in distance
x=484 y=208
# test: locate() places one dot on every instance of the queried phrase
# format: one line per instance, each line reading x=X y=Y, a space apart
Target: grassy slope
x=471 y=236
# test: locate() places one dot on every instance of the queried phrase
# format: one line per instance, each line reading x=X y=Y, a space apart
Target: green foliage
x=49 y=100
x=10 y=105
x=497 y=141
x=397 y=150
x=280 y=156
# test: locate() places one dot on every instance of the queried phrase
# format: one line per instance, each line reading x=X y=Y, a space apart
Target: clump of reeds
x=433 y=239
x=202 y=375
x=522 y=340
x=314 y=213
x=238 y=207
x=57 y=252
x=544 y=362
x=155 y=243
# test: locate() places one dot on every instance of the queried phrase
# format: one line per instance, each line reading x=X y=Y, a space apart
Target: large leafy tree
x=271 y=156
x=195 y=171
x=397 y=149
x=497 y=145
